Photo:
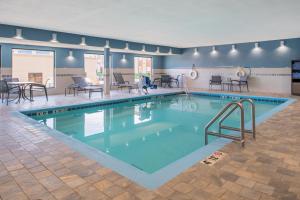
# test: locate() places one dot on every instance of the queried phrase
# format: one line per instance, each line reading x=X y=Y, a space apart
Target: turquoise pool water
x=147 y=134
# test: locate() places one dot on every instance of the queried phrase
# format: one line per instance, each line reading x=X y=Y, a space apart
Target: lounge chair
x=81 y=84
x=121 y=83
x=241 y=82
x=7 y=90
x=215 y=80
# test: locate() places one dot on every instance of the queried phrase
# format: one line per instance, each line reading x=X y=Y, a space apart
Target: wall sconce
x=196 y=52
x=70 y=57
x=214 y=51
x=282 y=47
x=233 y=48
x=107 y=44
x=19 y=34
x=144 y=48
x=54 y=38
x=83 y=41
x=233 y=51
x=157 y=50
x=257 y=49
x=126 y=46
x=124 y=60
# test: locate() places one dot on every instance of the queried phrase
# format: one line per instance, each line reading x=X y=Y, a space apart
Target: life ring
x=194 y=74
x=240 y=72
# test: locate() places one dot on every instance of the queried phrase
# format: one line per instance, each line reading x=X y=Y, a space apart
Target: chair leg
x=247 y=88
x=20 y=96
x=7 y=98
x=46 y=92
x=31 y=95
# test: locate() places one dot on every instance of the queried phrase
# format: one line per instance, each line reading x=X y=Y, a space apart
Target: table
x=228 y=84
x=22 y=85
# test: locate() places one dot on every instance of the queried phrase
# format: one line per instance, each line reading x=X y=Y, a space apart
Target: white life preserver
x=193 y=74
x=240 y=72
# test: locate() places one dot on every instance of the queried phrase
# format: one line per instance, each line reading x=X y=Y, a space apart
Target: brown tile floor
x=34 y=165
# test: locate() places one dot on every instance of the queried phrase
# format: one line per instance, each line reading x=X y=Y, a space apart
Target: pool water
x=148 y=134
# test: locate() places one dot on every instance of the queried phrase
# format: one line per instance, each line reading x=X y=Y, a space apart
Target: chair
x=215 y=80
x=81 y=84
x=165 y=79
x=121 y=83
x=38 y=87
x=175 y=80
x=241 y=82
x=8 y=90
x=146 y=83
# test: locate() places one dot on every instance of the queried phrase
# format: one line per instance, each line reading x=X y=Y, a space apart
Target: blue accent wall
x=61 y=57
x=269 y=56
x=9 y=31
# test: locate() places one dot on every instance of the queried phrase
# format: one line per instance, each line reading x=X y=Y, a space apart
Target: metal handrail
x=241 y=129
x=252 y=116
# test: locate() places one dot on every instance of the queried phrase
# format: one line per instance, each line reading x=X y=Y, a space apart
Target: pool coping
x=158 y=178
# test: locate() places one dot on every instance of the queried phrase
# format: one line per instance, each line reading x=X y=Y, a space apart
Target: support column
x=107 y=71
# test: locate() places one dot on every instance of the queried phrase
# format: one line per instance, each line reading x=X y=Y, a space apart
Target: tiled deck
x=33 y=165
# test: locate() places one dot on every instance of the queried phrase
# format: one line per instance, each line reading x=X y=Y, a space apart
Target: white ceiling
x=178 y=23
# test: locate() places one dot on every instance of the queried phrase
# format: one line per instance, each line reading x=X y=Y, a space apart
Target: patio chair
x=175 y=80
x=241 y=82
x=81 y=84
x=38 y=87
x=215 y=80
x=121 y=83
x=165 y=79
x=7 y=90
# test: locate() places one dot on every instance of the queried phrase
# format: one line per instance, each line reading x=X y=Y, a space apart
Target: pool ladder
x=231 y=107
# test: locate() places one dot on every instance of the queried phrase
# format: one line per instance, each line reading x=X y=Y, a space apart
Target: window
x=33 y=65
x=142 y=66
x=94 y=67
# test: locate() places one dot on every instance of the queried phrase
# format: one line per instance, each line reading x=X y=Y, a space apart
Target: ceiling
x=177 y=23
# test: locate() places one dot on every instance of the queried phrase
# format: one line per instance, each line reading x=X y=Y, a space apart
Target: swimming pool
x=150 y=135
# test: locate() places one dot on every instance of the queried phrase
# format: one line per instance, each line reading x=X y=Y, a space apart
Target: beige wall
x=269 y=80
